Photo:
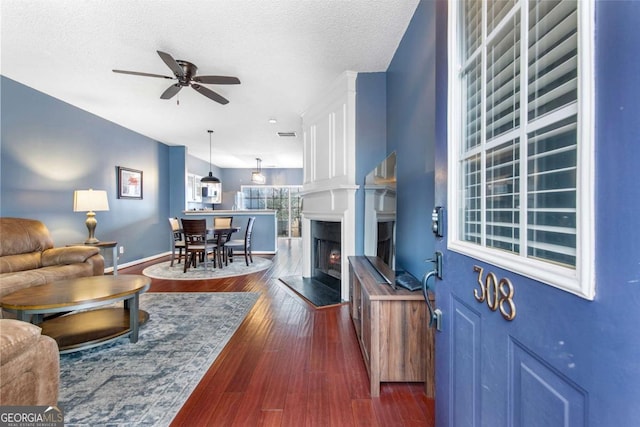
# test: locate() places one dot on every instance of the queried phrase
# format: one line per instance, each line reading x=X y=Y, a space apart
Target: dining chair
x=222 y=221
x=196 y=243
x=218 y=223
x=177 y=240
x=242 y=244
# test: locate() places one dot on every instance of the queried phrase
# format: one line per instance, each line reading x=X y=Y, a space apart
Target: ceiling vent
x=286 y=134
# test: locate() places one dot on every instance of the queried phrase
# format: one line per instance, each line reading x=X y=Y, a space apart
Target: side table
x=105 y=245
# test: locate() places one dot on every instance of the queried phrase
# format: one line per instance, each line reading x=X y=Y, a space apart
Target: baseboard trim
x=137 y=261
x=163 y=254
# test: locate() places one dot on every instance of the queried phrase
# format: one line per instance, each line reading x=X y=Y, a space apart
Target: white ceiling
x=285 y=52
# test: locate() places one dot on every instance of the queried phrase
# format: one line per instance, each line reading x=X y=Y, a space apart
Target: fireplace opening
x=326 y=254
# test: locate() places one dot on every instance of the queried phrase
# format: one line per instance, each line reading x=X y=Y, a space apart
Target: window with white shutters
x=520 y=137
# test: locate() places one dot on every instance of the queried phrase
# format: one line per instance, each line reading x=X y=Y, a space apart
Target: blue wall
x=202 y=167
x=177 y=187
x=50 y=148
x=411 y=133
x=233 y=178
x=371 y=138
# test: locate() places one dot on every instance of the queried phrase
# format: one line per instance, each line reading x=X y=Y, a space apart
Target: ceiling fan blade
x=171 y=91
x=217 y=80
x=210 y=94
x=137 y=73
x=171 y=63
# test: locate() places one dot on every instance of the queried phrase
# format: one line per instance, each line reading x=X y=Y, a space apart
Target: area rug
x=146 y=383
x=164 y=270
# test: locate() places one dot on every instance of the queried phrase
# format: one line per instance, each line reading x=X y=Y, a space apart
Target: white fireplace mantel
x=329 y=187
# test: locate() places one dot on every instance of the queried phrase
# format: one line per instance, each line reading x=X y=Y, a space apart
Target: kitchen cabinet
x=194 y=188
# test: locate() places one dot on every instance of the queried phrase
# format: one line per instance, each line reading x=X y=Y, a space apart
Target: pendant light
x=257 y=176
x=210 y=178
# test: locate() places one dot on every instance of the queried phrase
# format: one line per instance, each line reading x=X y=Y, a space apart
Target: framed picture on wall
x=129 y=183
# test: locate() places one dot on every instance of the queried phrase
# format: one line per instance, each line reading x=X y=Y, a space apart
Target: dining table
x=215 y=232
x=219 y=231
x=222 y=230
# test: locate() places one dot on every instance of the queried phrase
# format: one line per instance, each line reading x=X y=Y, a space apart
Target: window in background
x=285 y=200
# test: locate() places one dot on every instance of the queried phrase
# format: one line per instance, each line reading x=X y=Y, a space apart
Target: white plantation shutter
x=552 y=148
x=518 y=128
x=503 y=80
x=472 y=27
x=502 y=217
x=471 y=221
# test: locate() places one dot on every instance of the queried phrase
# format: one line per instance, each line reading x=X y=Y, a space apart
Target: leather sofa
x=29 y=361
x=29 y=365
x=28 y=257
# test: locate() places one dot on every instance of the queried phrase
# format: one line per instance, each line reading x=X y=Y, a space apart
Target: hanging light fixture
x=210 y=178
x=257 y=176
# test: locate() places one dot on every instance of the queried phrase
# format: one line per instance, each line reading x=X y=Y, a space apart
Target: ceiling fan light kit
x=185 y=74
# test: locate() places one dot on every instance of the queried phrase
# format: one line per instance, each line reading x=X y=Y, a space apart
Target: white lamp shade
x=90 y=200
x=258 y=178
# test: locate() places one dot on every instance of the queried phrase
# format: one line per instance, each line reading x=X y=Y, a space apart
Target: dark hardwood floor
x=290 y=364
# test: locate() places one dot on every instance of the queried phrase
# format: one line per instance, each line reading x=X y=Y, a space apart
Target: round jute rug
x=163 y=270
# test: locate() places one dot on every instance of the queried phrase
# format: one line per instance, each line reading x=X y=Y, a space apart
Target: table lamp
x=89 y=201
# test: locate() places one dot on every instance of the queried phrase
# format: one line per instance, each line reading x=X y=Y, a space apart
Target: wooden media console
x=392 y=326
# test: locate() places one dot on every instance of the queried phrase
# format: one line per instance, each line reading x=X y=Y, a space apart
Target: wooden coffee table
x=90 y=327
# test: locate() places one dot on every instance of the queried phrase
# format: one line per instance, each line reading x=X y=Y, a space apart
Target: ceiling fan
x=185 y=73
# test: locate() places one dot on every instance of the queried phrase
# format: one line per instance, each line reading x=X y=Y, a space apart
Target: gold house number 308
x=497 y=294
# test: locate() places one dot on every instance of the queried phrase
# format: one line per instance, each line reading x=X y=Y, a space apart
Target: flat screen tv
x=380 y=225
x=380 y=212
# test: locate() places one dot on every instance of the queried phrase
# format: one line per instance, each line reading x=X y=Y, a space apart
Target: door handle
x=435 y=315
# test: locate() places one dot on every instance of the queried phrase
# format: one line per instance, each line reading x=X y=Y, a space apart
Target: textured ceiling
x=285 y=53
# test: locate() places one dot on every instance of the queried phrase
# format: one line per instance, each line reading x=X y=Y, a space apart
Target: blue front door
x=542 y=356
